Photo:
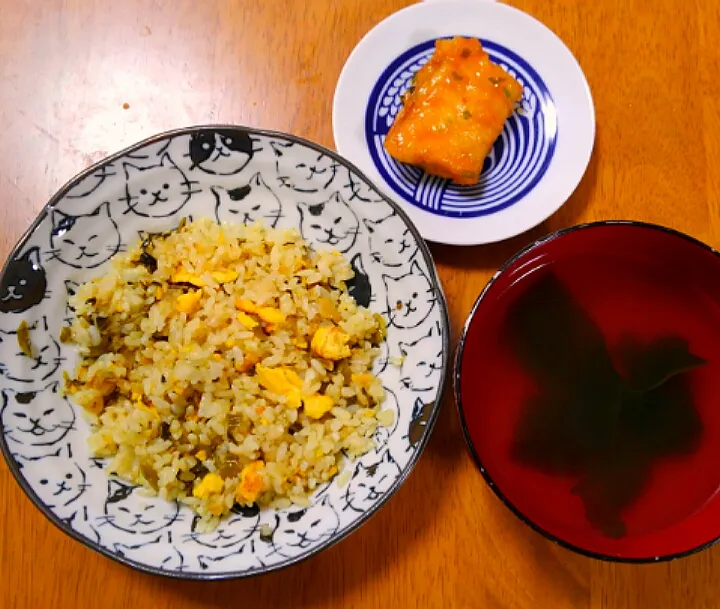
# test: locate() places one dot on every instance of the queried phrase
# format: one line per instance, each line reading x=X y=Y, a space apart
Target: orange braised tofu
x=454 y=112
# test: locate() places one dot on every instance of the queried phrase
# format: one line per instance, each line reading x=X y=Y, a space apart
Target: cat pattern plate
x=236 y=175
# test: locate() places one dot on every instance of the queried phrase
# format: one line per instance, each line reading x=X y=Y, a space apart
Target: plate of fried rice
x=221 y=351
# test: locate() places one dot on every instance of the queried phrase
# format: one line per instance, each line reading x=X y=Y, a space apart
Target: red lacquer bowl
x=632 y=278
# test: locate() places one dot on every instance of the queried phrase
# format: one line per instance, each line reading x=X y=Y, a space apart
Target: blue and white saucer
x=536 y=163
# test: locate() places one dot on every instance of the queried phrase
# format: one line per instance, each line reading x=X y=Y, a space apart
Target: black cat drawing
x=244 y=556
x=58 y=482
x=84 y=241
x=91 y=183
x=305 y=528
x=128 y=513
x=222 y=152
x=421 y=413
x=33 y=421
x=370 y=482
x=248 y=203
x=359 y=286
x=311 y=177
x=361 y=190
x=422 y=361
x=238 y=527
x=331 y=222
x=391 y=242
x=24 y=283
x=156 y=191
x=410 y=297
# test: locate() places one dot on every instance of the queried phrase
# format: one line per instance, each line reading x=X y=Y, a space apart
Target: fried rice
x=224 y=365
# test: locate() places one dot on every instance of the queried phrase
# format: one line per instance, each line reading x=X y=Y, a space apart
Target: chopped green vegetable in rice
x=226 y=364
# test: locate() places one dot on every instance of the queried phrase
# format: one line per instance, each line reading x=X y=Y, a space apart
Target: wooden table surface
x=83 y=78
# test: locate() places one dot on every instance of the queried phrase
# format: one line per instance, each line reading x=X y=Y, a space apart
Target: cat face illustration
x=419 y=419
x=91 y=183
x=243 y=556
x=359 y=286
x=238 y=527
x=422 y=363
x=301 y=529
x=150 y=545
x=58 y=482
x=370 y=482
x=24 y=283
x=44 y=359
x=410 y=297
x=156 y=191
x=86 y=241
x=391 y=242
x=139 y=551
x=331 y=223
x=247 y=204
x=35 y=420
x=361 y=190
x=134 y=514
x=223 y=152
x=311 y=176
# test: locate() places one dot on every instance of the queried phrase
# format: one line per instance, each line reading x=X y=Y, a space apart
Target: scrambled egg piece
x=247 y=363
x=300 y=343
x=251 y=483
x=330 y=342
x=363 y=380
x=281 y=381
x=188 y=303
x=183 y=277
x=270 y=315
x=96 y=406
x=327 y=309
x=246 y=305
x=316 y=406
x=246 y=320
x=224 y=276
x=211 y=483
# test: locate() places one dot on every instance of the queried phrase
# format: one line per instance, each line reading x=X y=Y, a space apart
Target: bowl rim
x=457 y=373
x=419 y=448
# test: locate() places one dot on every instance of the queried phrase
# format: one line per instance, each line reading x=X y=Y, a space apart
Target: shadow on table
x=494 y=255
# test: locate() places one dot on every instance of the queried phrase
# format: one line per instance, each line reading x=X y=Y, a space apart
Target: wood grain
x=82 y=78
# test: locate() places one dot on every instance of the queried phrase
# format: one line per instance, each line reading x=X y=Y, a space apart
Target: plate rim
x=460 y=408
x=344 y=141
x=420 y=447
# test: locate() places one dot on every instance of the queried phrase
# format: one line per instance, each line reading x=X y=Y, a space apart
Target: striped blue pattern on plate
x=517 y=163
